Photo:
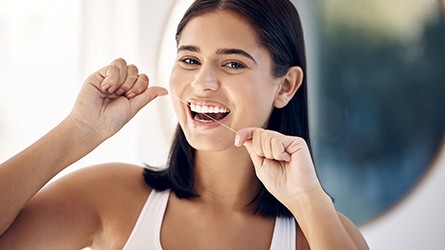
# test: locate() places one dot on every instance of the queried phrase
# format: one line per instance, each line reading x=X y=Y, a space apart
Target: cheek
x=178 y=84
x=174 y=81
x=256 y=105
x=177 y=87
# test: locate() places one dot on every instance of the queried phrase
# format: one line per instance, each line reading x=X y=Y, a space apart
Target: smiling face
x=221 y=71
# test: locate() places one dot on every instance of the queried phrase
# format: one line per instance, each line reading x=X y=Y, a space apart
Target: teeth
x=207 y=109
x=204 y=121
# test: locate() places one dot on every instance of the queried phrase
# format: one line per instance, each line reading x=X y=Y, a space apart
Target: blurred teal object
x=380 y=101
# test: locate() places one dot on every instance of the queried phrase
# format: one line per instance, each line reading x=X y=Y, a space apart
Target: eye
x=235 y=65
x=189 y=61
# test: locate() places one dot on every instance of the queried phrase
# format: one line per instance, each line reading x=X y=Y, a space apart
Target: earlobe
x=290 y=83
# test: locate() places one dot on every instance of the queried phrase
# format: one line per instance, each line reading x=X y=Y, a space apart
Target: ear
x=290 y=83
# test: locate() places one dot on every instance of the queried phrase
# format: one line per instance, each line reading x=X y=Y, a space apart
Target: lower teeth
x=200 y=120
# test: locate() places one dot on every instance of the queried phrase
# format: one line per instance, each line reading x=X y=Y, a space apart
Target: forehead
x=220 y=28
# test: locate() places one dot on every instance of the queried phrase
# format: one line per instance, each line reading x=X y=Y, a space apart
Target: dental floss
x=186 y=103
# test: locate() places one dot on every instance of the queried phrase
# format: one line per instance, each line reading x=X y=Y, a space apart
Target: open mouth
x=208 y=113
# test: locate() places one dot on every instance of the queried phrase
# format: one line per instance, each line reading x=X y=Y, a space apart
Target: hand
x=282 y=163
x=110 y=97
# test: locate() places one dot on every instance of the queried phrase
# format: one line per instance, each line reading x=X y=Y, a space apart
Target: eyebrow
x=188 y=48
x=219 y=51
x=235 y=52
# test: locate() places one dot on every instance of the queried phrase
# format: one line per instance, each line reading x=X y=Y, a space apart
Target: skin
x=98 y=206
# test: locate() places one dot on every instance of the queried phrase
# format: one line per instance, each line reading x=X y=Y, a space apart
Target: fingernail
x=112 y=89
x=105 y=87
x=237 y=140
x=120 y=92
x=130 y=95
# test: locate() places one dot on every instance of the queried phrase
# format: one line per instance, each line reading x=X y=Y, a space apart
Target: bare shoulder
x=105 y=184
x=119 y=193
x=75 y=210
x=110 y=176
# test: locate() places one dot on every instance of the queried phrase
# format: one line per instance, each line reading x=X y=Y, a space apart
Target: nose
x=205 y=79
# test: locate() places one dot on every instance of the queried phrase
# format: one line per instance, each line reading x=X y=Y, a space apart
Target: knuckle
x=259 y=151
x=276 y=155
x=275 y=142
x=125 y=87
x=257 y=131
x=112 y=72
x=112 y=68
x=300 y=140
x=119 y=61
x=143 y=77
x=132 y=69
x=269 y=155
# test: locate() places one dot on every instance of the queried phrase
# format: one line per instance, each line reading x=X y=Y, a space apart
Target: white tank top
x=147 y=232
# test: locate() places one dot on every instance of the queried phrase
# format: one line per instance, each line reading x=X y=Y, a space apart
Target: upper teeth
x=207 y=109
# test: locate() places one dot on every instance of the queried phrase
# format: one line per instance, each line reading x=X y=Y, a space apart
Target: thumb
x=139 y=101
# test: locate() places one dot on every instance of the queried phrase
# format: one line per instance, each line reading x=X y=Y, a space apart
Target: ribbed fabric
x=284 y=234
x=147 y=231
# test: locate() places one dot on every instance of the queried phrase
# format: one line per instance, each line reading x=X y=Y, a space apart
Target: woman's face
x=221 y=70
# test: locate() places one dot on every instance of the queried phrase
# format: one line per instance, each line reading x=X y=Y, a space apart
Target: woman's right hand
x=110 y=97
x=107 y=101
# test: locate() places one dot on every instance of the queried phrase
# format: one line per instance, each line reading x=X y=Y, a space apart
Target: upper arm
x=353 y=232
x=63 y=214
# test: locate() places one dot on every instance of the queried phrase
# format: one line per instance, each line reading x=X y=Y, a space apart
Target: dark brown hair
x=279 y=30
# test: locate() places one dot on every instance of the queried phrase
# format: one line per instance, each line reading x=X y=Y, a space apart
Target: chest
x=203 y=229
x=164 y=225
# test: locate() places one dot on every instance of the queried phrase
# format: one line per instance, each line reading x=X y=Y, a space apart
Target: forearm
x=22 y=176
x=321 y=223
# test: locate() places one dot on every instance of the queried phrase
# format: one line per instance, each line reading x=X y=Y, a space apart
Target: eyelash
x=231 y=65
x=235 y=65
x=189 y=61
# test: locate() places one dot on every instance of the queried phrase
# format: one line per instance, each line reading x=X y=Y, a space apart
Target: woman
x=240 y=66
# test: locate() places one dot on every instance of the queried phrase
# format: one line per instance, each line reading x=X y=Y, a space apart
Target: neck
x=226 y=179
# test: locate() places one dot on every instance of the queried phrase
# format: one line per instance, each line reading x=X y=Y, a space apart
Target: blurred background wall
x=377 y=87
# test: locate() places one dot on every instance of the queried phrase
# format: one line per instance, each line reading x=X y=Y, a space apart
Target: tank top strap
x=147 y=231
x=284 y=234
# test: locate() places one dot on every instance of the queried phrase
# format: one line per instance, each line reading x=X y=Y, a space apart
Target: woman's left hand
x=282 y=163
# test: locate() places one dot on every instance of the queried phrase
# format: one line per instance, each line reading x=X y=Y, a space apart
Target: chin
x=206 y=142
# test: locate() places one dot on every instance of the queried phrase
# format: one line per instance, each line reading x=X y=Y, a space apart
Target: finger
x=266 y=144
x=243 y=135
x=257 y=142
x=111 y=78
x=118 y=71
x=130 y=79
x=121 y=64
x=139 y=101
x=278 y=149
x=139 y=86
